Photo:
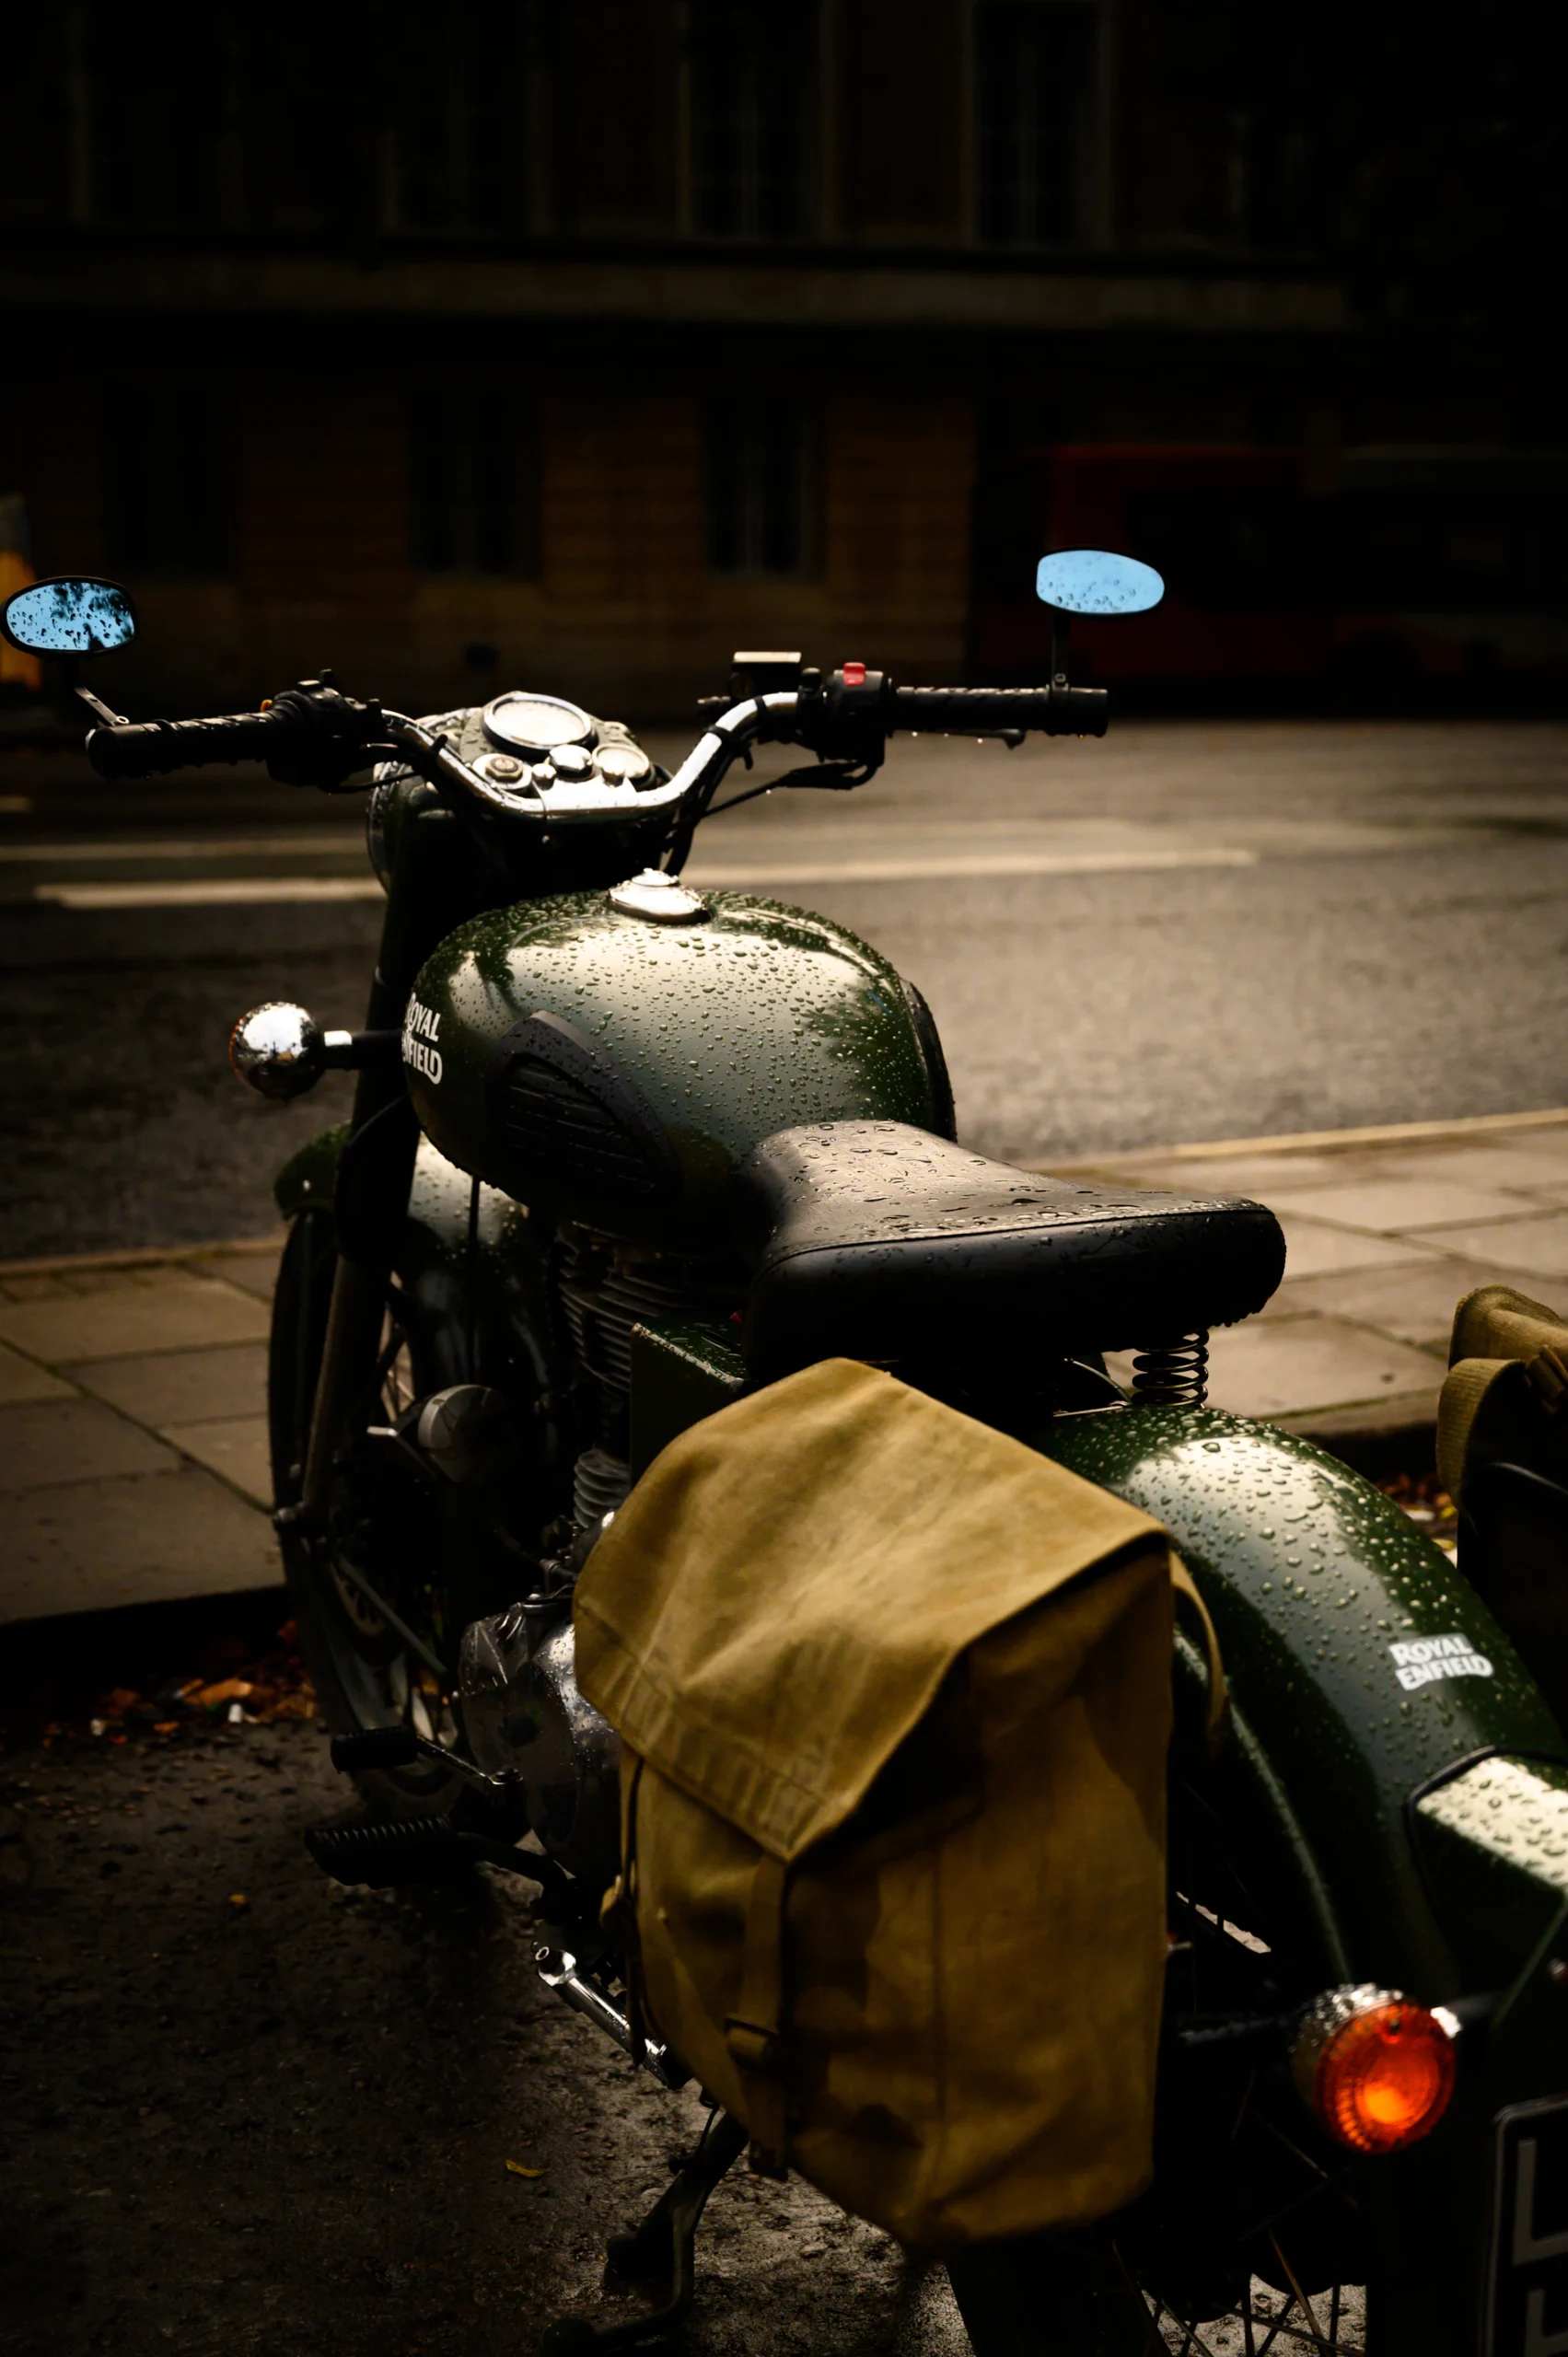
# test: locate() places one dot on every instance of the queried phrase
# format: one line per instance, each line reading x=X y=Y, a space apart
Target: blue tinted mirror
x=1092 y=581
x=74 y=615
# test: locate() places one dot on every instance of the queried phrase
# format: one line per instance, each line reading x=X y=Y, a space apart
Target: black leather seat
x=875 y=1240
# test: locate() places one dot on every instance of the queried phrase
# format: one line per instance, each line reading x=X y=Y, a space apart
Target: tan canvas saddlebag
x=1505 y=1397
x=895 y=1694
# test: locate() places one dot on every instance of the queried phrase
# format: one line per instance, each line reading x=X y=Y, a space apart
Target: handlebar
x=147 y=747
x=988 y=711
x=315 y=735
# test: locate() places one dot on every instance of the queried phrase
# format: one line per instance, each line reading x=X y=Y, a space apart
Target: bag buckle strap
x=753 y=2045
x=1549 y=1377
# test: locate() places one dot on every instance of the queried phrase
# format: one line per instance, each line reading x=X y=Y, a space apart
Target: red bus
x=1413 y=565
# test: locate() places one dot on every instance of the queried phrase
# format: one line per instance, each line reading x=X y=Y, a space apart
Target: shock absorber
x=1173 y=1374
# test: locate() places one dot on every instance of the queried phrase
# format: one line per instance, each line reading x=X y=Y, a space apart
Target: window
x=472 y=478
x=753 y=95
x=462 y=101
x=760 y=488
x=167 y=484
x=1033 y=64
x=159 y=109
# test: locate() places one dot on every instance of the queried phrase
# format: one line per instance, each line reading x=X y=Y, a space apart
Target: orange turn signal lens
x=1378 y=2070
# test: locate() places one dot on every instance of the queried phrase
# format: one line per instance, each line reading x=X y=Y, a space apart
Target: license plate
x=1527 y=2301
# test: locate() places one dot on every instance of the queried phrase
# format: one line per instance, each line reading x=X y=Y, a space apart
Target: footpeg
x=419 y=1848
x=431 y=1849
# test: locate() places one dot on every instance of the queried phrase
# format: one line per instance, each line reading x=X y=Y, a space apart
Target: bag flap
x=1495 y=1322
x=776 y=1604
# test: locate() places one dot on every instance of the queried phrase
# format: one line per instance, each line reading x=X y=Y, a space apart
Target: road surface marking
x=946 y=865
x=232 y=891
x=208 y=847
x=210 y=892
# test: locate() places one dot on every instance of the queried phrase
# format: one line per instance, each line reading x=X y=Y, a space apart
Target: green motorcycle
x=621 y=1148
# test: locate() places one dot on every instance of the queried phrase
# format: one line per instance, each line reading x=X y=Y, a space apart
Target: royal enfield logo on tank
x=422 y=1026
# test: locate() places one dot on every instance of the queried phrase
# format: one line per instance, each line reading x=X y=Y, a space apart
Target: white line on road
x=231 y=891
x=211 y=892
x=328 y=842
x=966 y=864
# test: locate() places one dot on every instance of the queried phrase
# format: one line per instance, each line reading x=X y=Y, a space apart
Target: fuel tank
x=614 y=1066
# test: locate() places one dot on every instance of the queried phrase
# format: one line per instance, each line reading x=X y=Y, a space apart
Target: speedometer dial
x=534 y=725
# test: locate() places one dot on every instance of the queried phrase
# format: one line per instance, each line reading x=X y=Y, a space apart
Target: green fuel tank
x=613 y=1066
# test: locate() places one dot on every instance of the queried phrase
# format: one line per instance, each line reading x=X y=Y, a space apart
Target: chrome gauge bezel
x=577 y=725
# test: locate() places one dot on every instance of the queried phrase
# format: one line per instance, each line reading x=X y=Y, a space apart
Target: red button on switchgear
x=855 y=675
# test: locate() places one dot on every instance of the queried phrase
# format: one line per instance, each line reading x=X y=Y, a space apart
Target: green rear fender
x=1320 y=1588
x=1405 y=1858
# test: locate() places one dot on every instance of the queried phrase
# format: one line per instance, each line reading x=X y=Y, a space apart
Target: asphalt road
x=1189 y=930
x=242 y=2108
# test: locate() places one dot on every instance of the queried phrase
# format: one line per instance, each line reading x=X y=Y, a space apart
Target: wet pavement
x=244 y=2109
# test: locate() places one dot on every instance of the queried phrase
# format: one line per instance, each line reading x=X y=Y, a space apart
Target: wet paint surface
x=1313 y=1576
x=755 y=1019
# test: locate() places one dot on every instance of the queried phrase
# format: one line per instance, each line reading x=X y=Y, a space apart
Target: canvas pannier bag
x=1505 y=1397
x=894 y=1694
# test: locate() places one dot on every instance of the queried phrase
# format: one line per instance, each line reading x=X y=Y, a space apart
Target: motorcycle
x=604 y=1126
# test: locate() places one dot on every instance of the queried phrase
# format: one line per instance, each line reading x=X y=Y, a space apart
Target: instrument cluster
x=542 y=749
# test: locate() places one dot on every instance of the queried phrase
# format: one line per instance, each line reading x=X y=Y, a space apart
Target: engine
x=525 y=1720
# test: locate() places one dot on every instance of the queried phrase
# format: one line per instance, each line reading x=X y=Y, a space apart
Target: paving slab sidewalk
x=133 y=1431
x=1384 y=1230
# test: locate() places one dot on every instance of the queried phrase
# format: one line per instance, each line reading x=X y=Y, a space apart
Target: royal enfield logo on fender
x=1418 y=1660
x=421 y=1027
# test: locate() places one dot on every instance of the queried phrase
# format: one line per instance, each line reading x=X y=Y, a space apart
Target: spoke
x=1275 y=2324
x=1305 y=2303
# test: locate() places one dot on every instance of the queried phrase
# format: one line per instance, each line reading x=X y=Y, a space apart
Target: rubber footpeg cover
x=420 y=1849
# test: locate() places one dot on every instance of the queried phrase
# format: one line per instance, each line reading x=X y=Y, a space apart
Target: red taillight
x=1378 y=2070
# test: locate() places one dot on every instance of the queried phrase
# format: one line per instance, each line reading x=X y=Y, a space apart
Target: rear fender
x=1418 y=1829
x=1323 y=1592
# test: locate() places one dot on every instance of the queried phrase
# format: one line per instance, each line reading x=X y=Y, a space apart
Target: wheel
x=382 y=1527
x=1249 y=2241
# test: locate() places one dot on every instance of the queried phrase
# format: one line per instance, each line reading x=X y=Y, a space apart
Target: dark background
x=583 y=343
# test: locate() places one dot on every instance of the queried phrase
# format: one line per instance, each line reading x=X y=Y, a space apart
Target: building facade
x=577 y=343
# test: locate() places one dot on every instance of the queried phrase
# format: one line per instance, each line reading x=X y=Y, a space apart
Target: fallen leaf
x=119 y=1700
x=237 y=1899
x=227 y=1689
x=166 y=1726
x=519 y=2168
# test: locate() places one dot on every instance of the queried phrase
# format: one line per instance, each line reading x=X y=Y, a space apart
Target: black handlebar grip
x=978 y=712
x=147 y=748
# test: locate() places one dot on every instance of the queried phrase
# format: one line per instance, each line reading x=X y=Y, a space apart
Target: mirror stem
x=1061 y=628
x=99 y=710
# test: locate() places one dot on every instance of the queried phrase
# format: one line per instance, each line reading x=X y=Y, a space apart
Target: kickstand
x=659 y=2250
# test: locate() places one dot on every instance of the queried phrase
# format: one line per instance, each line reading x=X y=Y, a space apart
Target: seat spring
x=1173 y=1374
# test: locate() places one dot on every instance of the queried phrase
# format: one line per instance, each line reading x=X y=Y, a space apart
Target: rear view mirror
x=73 y=614
x=1092 y=581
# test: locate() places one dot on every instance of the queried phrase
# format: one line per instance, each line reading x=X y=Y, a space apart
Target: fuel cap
x=661 y=898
